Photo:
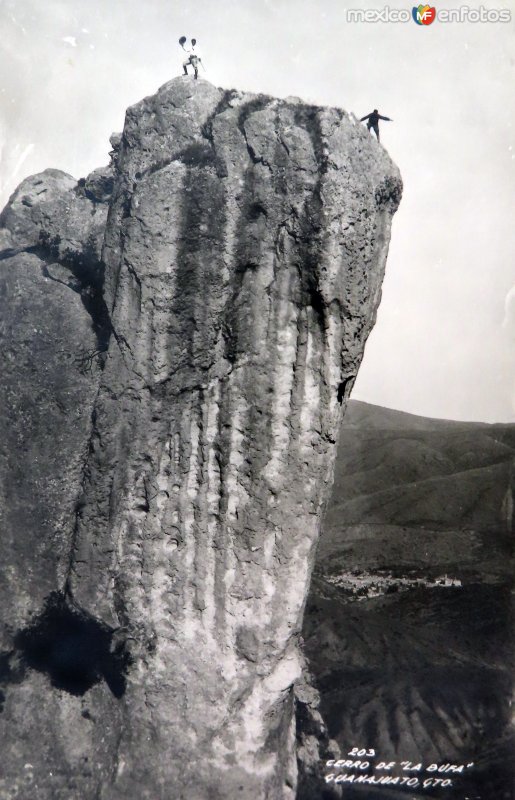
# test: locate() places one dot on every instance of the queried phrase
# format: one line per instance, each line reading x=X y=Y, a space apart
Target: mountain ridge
x=408 y=632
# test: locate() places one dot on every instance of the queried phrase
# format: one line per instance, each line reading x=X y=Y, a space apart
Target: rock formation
x=181 y=332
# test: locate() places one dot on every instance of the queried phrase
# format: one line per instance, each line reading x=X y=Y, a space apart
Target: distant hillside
x=409 y=624
x=360 y=414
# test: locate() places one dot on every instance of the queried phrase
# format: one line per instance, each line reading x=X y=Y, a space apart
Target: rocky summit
x=180 y=333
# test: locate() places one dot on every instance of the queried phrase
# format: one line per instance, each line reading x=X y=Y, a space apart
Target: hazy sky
x=444 y=343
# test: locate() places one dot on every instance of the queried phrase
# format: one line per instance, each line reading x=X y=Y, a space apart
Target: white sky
x=443 y=344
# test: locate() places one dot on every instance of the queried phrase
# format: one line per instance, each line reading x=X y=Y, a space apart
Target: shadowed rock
x=234 y=279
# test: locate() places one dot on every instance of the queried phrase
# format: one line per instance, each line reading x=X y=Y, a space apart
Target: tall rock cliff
x=182 y=331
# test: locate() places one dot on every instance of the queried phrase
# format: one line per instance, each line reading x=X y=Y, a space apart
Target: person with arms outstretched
x=193 y=55
x=373 y=121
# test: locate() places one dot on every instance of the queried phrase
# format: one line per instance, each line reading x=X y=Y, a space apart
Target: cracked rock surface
x=185 y=329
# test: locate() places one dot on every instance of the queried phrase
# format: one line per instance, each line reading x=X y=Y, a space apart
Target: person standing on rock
x=373 y=121
x=193 y=52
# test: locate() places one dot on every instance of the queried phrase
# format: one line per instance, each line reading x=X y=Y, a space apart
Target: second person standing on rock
x=373 y=121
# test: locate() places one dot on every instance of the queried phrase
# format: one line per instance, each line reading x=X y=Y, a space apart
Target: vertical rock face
x=242 y=262
x=54 y=328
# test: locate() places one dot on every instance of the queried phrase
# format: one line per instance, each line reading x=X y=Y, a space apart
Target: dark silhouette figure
x=373 y=121
x=193 y=55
